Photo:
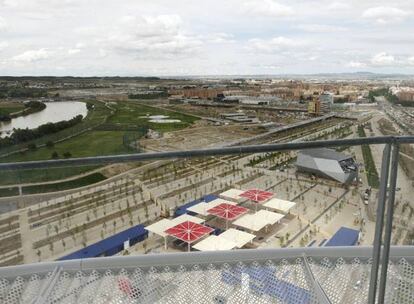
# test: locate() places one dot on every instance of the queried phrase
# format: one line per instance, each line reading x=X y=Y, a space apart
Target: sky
x=214 y=37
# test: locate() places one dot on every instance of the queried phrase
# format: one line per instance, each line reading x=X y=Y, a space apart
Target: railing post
x=388 y=224
x=382 y=196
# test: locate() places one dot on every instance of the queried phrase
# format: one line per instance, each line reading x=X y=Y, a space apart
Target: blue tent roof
x=108 y=245
x=344 y=237
x=183 y=208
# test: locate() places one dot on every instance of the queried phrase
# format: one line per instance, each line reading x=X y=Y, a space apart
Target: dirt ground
x=200 y=137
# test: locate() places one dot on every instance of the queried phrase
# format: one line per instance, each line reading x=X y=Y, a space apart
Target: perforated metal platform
x=244 y=276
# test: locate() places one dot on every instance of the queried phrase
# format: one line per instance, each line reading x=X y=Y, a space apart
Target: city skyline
x=164 y=38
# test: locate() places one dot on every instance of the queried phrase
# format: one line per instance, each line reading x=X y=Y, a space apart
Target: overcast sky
x=214 y=37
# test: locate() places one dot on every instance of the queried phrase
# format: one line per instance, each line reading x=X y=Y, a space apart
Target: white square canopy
x=233 y=195
x=279 y=205
x=213 y=243
x=251 y=222
x=186 y=217
x=258 y=220
x=241 y=238
x=159 y=227
x=270 y=217
x=202 y=208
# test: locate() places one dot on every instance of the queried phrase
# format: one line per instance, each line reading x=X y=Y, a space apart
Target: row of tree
x=382 y=92
x=30 y=108
x=149 y=95
x=23 y=135
x=22 y=92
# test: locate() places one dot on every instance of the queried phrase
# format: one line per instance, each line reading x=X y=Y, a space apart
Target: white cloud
x=267 y=8
x=321 y=28
x=73 y=51
x=159 y=36
x=32 y=55
x=356 y=64
x=383 y=59
x=411 y=60
x=3 y=25
x=37 y=4
x=274 y=45
x=385 y=15
x=338 y=6
x=3 y=45
x=103 y=53
x=80 y=45
x=219 y=38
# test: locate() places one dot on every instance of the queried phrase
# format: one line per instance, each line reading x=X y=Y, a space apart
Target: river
x=54 y=112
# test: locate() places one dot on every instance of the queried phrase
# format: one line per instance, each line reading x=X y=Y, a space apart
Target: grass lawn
x=131 y=113
x=76 y=183
x=92 y=143
x=9 y=192
x=41 y=175
x=10 y=107
x=89 y=144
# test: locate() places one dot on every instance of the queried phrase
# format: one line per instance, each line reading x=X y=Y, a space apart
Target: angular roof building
x=327 y=163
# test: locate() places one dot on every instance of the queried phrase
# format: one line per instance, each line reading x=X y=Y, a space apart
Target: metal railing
x=389 y=170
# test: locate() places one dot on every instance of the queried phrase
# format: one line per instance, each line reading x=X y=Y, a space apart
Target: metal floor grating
x=278 y=280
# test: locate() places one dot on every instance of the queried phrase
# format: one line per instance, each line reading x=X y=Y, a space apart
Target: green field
x=76 y=183
x=132 y=113
x=41 y=175
x=7 y=108
x=9 y=192
x=94 y=142
x=94 y=117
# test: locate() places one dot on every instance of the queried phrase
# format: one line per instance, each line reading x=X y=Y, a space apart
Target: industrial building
x=327 y=163
x=111 y=245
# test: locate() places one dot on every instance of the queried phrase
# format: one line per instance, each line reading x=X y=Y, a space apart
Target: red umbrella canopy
x=227 y=211
x=189 y=231
x=257 y=195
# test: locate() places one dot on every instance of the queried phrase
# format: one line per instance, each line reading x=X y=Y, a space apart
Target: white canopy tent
x=202 y=208
x=159 y=227
x=186 y=217
x=213 y=243
x=258 y=220
x=233 y=195
x=270 y=217
x=251 y=222
x=241 y=238
x=279 y=205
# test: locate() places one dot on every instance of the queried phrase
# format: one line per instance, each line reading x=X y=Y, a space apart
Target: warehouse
x=111 y=245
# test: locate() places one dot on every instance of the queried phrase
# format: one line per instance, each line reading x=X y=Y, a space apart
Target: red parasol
x=189 y=231
x=227 y=211
x=257 y=195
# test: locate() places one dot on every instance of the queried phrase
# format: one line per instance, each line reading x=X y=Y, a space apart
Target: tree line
x=151 y=95
x=30 y=108
x=22 y=92
x=23 y=135
x=382 y=92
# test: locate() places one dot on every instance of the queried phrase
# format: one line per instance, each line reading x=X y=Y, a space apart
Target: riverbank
x=30 y=107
